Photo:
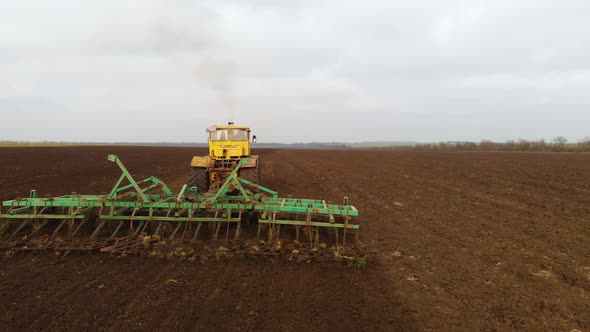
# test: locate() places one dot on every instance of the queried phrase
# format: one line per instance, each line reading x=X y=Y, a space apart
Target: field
x=458 y=241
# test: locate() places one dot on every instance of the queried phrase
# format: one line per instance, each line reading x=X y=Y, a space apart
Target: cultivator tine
x=317 y=236
x=226 y=233
x=131 y=230
x=139 y=227
x=217 y=228
x=56 y=231
x=175 y=230
x=72 y=213
x=38 y=228
x=145 y=226
x=84 y=221
x=25 y=223
x=344 y=232
x=158 y=229
x=273 y=227
x=237 y=234
x=309 y=229
x=4 y=226
x=19 y=228
x=186 y=226
x=116 y=230
x=272 y=233
x=197 y=231
x=79 y=227
x=98 y=228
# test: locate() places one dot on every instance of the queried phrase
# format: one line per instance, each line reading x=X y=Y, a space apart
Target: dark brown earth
x=457 y=240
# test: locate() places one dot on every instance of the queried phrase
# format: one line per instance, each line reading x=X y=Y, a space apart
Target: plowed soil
x=458 y=241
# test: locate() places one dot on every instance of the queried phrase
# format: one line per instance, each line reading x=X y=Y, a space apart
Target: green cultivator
x=147 y=217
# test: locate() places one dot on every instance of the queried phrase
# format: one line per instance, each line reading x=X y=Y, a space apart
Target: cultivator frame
x=98 y=222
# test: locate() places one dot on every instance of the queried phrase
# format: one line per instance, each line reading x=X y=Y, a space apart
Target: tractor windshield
x=238 y=135
x=218 y=135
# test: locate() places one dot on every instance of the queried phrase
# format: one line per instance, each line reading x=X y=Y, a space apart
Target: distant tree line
x=558 y=144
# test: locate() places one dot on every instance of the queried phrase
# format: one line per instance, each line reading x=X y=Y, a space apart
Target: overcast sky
x=295 y=71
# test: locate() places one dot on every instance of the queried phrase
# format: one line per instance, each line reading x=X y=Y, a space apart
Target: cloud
x=295 y=71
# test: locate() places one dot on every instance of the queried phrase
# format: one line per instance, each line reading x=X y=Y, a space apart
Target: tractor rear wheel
x=199 y=177
x=251 y=174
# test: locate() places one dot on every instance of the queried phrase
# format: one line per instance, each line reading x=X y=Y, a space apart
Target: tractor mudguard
x=201 y=161
x=253 y=162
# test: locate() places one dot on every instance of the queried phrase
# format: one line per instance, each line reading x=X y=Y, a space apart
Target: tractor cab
x=229 y=142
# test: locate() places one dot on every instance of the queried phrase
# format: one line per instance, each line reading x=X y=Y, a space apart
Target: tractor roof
x=216 y=127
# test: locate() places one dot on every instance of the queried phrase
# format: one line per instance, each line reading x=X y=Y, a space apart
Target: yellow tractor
x=228 y=145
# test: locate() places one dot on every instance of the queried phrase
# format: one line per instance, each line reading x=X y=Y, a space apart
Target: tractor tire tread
x=199 y=177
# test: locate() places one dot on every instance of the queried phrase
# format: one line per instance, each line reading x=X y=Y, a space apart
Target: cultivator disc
x=145 y=217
